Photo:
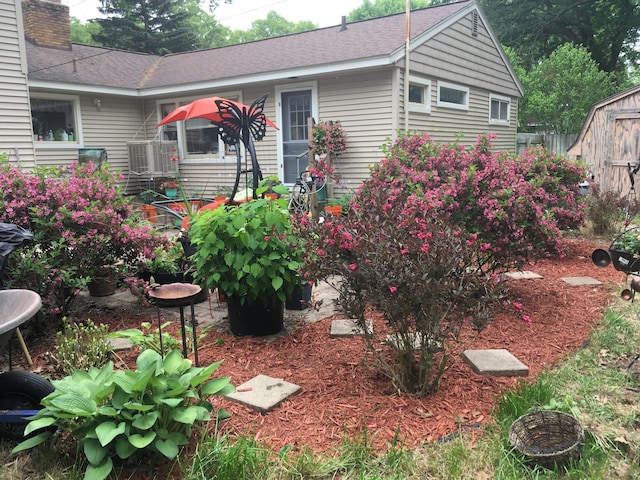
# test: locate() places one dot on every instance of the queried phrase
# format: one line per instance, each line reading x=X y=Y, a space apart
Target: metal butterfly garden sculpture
x=239 y=123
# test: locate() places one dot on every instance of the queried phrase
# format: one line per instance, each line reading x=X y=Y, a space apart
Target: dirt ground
x=342 y=393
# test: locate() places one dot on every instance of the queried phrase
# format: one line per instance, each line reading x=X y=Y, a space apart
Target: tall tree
x=560 y=89
x=535 y=28
x=150 y=26
x=274 y=25
x=381 y=8
x=83 y=32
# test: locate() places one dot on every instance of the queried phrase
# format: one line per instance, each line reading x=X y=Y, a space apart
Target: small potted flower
x=248 y=252
x=170 y=188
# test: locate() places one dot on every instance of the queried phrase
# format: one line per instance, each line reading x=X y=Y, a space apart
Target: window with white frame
x=419 y=95
x=198 y=139
x=55 y=119
x=499 y=110
x=453 y=96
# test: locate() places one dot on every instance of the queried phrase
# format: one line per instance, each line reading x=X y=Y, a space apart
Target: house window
x=54 y=119
x=198 y=139
x=499 y=110
x=419 y=95
x=201 y=136
x=453 y=96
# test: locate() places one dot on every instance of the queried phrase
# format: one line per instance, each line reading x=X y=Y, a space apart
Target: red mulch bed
x=341 y=393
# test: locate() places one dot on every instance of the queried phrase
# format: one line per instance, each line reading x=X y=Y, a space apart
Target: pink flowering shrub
x=417 y=270
x=427 y=235
x=518 y=206
x=80 y=220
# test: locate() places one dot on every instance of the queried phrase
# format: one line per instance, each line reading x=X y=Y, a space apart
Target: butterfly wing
x=231 y=119
x=257 y=121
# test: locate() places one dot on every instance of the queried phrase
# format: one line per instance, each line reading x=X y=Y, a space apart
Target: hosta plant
x=119 y=413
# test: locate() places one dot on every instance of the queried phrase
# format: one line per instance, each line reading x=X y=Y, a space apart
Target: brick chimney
x=46 y=23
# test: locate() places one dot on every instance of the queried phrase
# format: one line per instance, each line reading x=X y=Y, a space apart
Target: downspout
x=406 y=66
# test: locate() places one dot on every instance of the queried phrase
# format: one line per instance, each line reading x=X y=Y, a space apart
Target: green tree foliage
x=560 y=89
x=380 y=8
x=83 y=32
x=607 y=28
x=274 y=25
x=151 y=26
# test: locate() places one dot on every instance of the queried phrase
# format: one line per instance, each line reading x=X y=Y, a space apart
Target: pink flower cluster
x=80 y=220
x=328 y=138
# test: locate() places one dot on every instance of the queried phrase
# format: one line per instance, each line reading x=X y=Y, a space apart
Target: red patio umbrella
x=208 y=108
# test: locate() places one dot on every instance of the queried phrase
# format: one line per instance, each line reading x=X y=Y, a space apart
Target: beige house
x=58 y=97
x=609 y=142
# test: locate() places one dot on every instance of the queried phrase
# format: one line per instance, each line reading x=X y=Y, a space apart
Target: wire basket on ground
x=547 y=438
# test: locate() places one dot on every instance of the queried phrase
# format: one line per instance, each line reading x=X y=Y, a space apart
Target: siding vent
x=474 y=27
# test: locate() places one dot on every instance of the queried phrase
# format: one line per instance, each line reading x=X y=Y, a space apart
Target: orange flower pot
x=335 y=210
x=148 y=213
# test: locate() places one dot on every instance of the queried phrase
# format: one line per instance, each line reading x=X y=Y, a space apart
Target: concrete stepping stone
x=263 y=393
x=522 y=275
x=347 y=328
x=118 y=344
x=579 y=281
x=496 y=362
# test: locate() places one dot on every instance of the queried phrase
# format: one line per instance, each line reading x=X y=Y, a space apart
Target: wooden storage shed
x=609 y=142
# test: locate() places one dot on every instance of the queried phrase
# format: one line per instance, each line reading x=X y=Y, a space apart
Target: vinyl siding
x=16 y=137
x=455 y=56
x=364 y=104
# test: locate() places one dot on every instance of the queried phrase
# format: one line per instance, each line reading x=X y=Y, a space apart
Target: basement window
x=54 y=119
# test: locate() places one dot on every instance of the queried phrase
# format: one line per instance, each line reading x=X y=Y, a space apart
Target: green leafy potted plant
x=249 y=253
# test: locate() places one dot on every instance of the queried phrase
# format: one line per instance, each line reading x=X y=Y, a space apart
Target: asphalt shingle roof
x=368 y=39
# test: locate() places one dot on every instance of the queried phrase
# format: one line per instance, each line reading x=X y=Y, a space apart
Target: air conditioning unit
x=152 y=158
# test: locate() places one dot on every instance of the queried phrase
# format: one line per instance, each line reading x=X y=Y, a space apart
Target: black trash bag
x=11 y=237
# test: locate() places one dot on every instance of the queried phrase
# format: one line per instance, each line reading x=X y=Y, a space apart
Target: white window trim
x=498 y=121
x=421 y=107
x=75 y=99
x=199 y=159
x=453 y=86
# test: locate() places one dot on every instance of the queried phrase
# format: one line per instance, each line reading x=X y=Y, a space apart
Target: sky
x=241 y=13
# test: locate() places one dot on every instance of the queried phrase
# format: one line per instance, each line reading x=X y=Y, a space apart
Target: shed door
x=623 y=151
